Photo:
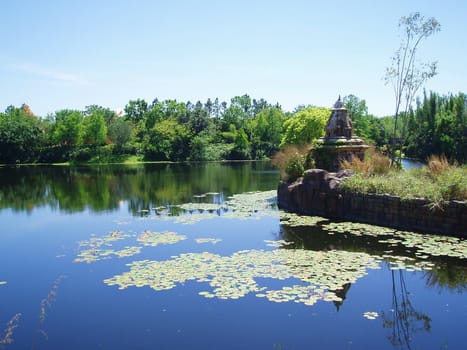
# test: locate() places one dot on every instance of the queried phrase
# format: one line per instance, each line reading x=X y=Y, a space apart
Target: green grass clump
x=431 y=183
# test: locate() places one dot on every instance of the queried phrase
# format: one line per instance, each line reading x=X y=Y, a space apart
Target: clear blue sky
x=70 y=54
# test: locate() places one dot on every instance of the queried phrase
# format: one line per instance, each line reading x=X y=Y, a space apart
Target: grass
x=438 y=181
x=292 y=161
x=374 y=163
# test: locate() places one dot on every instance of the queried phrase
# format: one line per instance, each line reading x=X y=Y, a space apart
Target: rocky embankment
x=319 y=193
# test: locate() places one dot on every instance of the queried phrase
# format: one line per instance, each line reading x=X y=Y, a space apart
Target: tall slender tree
x=406 y=74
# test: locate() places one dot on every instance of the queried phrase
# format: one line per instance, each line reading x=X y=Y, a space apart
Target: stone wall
x=319 y=193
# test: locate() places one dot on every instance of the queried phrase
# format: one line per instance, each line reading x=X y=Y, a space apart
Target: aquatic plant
x=294 y=220
x=249 y=205
x=149 y=238
x=92 y=255
x=45 y=303
x=208 y=240
x=146 y=238
x=10 y=326
x=309 y=276
x=357 y=229
x=277 y=243
x=370 y=315
x=232 y=277
x=422 y=244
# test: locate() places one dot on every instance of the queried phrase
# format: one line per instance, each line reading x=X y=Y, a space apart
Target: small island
x=320 y=192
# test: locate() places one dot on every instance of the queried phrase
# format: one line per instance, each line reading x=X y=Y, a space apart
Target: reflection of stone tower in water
x=338 y=144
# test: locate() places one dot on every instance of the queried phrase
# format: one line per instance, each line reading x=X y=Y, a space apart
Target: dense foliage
x=245 y=128
x=438 y=126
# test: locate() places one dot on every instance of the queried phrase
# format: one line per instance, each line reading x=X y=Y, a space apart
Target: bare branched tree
x=406 y=74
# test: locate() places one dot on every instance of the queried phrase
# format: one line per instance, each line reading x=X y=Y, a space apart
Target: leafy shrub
x=82 y=154
x=295 y=167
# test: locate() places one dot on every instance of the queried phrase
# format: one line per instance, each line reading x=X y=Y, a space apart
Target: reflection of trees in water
x=144 y=186
x=403 y=320
x=447 y=275
x=447 y=272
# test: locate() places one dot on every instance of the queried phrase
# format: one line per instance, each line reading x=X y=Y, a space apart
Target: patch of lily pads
x=107 y=240
x=202 y=207
x=308 y=276
x=208 y=240
x=294 y=220
x=358 y=229
x=146 y=238
x=3 y=282
x=424 y=245
x=149 y=238
x=233 y=277
x=278 y=243
x=252 y=204
x=92 y=255
x=249 y=205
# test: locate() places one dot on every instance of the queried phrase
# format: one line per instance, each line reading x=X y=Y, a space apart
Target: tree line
x=245 y=128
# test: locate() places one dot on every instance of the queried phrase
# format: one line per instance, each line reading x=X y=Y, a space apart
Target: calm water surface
x=160 y=256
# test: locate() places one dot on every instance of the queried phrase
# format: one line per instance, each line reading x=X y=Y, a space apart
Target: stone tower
x=338 y=144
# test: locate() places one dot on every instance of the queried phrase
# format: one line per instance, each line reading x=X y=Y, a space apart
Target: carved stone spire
x=339 y=123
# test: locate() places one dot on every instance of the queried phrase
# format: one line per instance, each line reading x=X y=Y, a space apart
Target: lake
x=197 y=256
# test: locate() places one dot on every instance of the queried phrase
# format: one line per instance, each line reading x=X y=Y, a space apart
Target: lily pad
x=208 y=240
x=370 y=315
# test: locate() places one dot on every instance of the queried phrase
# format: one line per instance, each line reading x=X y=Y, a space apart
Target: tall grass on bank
x=292 y=161
x=438 y=181
x=374 y=163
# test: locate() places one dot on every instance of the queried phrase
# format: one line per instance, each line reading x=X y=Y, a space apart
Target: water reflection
x=445 y=272
x=403 y=320
x=142 y=186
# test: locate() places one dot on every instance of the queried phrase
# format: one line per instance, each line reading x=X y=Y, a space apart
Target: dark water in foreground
x=163 y=257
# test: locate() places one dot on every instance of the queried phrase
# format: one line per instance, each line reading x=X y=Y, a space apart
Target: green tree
x=67 y=128
x=266 y=130
x=238 y=113
x=107 y=113
x=305 y=126
x=20 y=135
x=438 y=126
x=198 y=119
x=135 y=110
x=406 y=74
x=241 y=150
x=167 y=140
x=365 y=125
x=119 y=132
x=94 y=129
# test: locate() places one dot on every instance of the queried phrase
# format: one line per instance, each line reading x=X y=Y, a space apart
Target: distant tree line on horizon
x=243 y=129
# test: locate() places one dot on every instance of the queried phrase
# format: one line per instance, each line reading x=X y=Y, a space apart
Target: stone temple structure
x=338 y=144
